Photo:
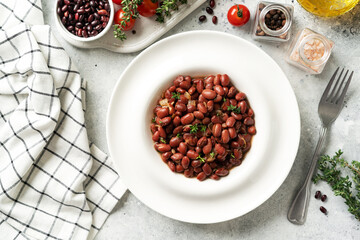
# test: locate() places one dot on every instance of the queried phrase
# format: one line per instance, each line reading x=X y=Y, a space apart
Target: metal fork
x=329 y=108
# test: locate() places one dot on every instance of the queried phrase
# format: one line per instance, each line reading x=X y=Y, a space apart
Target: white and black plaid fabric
x=53 y=183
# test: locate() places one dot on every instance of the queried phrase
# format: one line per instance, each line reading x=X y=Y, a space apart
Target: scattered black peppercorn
x=133 y=31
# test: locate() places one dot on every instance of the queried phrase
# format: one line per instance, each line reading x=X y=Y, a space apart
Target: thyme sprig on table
x=130 y=12
x=333 y=171
x=130 y=8
x=167 y=7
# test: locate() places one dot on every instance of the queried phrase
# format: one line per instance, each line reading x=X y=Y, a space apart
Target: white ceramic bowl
x=273 y=150
x=66 y=34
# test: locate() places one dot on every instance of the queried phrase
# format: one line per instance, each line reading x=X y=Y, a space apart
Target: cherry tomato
x=118 y=2
x=238 y=15
x=119 y=16
x=148 y=8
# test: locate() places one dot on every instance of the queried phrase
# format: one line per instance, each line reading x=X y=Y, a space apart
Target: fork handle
x=298 y=210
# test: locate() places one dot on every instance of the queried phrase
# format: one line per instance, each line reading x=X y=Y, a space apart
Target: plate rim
x=179 y=35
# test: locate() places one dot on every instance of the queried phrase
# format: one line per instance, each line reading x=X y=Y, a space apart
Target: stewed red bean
x=201 y=176
x=171 y=166
x=209 y=94
x=216 y=130
x=84 y=18
x=202 y=126
x=179 y=168
x=177 y=157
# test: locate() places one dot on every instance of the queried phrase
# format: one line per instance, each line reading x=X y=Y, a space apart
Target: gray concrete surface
x=133 y=220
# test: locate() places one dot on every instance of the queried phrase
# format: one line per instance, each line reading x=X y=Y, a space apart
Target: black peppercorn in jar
x=272 y=21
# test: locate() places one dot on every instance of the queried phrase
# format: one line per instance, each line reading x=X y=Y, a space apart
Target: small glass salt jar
x=310 y=51
x=272 y=21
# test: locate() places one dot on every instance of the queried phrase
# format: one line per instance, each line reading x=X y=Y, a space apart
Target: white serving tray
x=147 y=31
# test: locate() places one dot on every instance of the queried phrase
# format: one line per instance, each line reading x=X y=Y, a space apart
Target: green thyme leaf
x=194 y=128
x=233 y=109
x=162 y=140
x=203 y=128
x=176 y=95
x=201 y=159
x=212 y=154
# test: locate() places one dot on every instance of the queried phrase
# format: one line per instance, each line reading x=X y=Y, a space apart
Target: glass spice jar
x=310 y=51
x=272 y=21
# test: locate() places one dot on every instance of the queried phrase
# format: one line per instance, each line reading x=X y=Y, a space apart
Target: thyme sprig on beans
x=233 y=109
x=203 y=128
x=130 y=12
x=194 y=128
x=176 y=95
x=201 y=159
x=333 y=170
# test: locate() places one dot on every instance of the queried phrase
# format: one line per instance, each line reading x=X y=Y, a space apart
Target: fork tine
x=338 y=92
x=331 y=95
x=327 y=89
x=342 y=96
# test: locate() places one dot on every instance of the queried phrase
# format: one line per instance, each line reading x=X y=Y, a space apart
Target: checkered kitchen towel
x=53 y=183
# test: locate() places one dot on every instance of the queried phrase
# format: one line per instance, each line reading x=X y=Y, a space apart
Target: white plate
x=147 y=31
x=274 y=147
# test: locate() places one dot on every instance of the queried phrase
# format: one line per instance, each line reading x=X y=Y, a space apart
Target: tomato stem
x=240 y=12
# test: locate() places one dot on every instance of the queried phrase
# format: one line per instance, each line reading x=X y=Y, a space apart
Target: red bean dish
x=203 y=126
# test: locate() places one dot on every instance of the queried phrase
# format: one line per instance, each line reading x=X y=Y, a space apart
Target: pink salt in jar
x=310 y=51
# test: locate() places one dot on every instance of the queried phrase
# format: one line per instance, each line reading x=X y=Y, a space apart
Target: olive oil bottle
x=328 y=8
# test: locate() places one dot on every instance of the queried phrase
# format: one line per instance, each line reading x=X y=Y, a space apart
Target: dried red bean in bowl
x=203 y=126
x=84 y=18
